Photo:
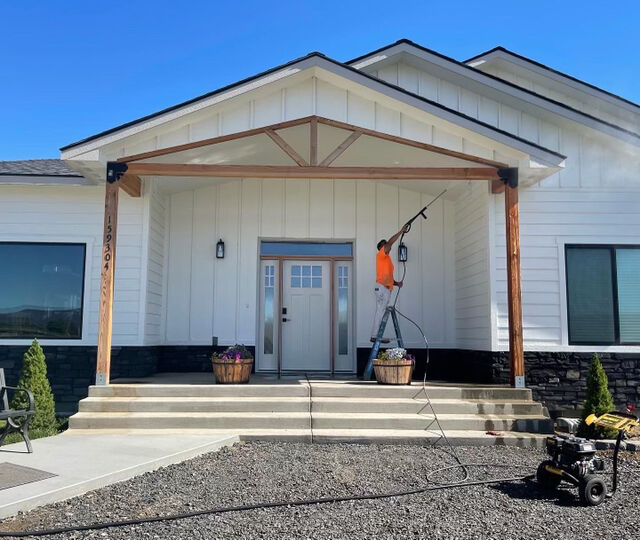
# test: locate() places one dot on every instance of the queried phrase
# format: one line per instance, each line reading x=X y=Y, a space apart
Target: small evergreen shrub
x=34 y=377
x=598 y=401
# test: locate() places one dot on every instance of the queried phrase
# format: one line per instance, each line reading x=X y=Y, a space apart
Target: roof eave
x=501 y=52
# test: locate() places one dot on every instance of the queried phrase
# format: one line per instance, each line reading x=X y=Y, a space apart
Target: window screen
x=41 y=290
x=628 y=277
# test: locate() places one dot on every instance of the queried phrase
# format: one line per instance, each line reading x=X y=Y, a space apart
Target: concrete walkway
x=84 y=462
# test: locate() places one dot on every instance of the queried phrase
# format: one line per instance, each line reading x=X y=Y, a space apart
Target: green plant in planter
x=598 y=401
x=34 y=377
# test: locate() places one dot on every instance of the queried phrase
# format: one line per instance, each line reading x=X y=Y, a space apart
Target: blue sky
x=70 y=69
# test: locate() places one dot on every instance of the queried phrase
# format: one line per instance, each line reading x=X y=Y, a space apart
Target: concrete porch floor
x=205 y=378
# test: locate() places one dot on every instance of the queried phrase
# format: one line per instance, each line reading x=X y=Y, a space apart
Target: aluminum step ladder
x=391 y=310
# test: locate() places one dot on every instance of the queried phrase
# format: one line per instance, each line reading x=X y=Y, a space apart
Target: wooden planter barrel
x=232 y=372
x=393 y=371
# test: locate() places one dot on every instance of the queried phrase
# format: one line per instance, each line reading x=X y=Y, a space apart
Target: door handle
x=284 y=319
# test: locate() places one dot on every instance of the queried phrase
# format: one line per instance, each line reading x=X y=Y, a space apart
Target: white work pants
x=383 y=295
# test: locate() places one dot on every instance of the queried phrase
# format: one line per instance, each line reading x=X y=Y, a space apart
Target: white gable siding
x=585 y=150
x=209 y=297
x=311 y=96
x=75 y=214
x=575 y=99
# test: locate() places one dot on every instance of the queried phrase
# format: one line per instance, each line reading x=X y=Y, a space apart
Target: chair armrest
x=32 y=404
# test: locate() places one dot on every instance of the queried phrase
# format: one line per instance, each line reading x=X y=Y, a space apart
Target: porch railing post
x=514 y=288
x=105 y=321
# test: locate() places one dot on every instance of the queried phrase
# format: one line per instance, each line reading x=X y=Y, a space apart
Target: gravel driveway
x=255 y=472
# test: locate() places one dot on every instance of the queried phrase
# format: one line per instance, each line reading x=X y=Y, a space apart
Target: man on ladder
x=384 y=281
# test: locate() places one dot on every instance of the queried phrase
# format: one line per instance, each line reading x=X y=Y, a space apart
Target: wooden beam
x=215 y=140
x=514 y=291
x=497 y=186
x=287 y=148
x=313 y=141
x=131 y=184
x=410 y=142
x=284 y=171
x=340 y=149
x=105 y=321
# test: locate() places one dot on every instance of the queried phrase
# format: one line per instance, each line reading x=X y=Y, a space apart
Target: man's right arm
x=387 y=246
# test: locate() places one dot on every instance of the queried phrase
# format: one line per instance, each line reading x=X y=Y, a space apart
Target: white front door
x=306 y=315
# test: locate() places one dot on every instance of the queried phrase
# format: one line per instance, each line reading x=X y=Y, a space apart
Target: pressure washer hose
x=265 y=505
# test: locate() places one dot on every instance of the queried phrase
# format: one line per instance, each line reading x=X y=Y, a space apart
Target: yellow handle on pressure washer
x=614 y=420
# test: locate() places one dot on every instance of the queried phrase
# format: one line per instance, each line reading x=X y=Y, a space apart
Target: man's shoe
x=383 y=340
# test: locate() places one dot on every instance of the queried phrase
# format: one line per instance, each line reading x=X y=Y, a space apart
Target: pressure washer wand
x=422 y=212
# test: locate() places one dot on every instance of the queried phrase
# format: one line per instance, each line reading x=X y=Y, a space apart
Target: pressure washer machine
x=574 y=460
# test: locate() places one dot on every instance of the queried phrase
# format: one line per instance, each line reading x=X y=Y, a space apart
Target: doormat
x=12 y=475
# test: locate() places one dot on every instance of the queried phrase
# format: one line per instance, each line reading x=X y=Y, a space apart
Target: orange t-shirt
x=384 y=269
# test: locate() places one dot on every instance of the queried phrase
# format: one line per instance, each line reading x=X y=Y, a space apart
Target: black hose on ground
x=280 y=504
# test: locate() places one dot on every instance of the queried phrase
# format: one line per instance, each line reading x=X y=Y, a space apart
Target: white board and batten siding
x=218 y=297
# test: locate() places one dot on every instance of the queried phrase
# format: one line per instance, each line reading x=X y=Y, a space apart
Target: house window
x=603 y=294
x=41 y=290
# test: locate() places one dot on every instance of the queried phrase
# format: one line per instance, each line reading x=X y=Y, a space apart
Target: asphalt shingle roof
x=36 y=167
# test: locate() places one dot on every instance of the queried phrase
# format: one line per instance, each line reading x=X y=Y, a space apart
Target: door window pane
x=628 y=275
x=269 y=307
x=306 y=276
x=41 y=290
x=343 y=309
x=590 y=295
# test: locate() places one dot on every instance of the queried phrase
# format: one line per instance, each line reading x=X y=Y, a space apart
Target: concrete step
x=497 y=422
x=350 y=389
x=420 y=405
x=301 y=404
x=415 y=390
x=300 y=420
x=199 y=390
x=361 y=436
x=194 y=404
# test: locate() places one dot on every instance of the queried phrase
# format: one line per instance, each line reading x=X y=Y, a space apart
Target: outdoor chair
x=10 y=415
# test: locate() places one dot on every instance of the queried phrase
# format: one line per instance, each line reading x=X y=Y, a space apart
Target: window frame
x=85 y=275
x=611 y=248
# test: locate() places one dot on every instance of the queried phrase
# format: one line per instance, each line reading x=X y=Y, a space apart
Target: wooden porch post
x=514 y=291
x=105 y=321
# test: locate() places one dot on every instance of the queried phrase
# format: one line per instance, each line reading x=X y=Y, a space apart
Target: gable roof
x=507 y=52
x=37 y=167
x=511 y=88
x=320 y=60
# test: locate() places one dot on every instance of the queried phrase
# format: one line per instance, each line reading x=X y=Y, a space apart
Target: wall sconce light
x=402 y=252
x=220 y=249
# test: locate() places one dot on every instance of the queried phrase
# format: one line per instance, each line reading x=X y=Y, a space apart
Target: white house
x=298 y=269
